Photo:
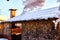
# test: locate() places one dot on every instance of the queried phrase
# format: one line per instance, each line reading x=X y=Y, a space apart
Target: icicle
x=55 y=22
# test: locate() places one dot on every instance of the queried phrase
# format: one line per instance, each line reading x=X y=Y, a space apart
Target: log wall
x=38 y=30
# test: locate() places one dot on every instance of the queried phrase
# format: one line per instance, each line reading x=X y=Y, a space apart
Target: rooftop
x=37 y=14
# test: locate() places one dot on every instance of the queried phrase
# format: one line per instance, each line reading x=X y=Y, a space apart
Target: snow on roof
x=37 y=14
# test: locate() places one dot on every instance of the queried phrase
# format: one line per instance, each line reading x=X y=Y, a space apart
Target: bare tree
x=33 y=3
x=58 y=0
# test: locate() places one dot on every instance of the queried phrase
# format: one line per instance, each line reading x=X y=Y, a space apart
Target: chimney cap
x=12 y=9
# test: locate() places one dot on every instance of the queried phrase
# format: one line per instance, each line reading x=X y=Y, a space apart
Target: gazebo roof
x=37 y=14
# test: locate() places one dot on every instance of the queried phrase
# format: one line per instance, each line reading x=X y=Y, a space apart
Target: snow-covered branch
x=33 y=3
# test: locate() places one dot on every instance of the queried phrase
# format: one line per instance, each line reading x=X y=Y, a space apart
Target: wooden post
x=59 y=28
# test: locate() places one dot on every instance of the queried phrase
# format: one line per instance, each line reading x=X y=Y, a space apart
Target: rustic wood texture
x=39 y=30
x=59 y=27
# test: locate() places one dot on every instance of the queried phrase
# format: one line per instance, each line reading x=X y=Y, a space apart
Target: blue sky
x=17 y=4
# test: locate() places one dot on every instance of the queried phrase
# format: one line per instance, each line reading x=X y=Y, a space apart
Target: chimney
x=12 y=13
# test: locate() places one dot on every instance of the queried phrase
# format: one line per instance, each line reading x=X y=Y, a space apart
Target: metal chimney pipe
x=12 y=13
